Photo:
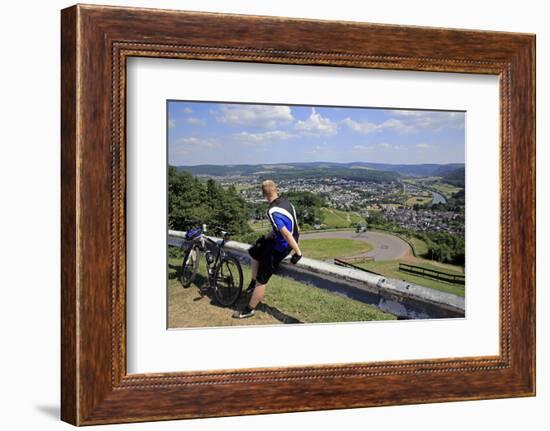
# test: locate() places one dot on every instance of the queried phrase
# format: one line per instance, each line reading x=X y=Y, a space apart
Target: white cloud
x=171 y=124
x=316 y=125
x=366 y=127
x=423 y=146
x=363 y=127
x=409 y=122
x=432 y=119
x=360 y=147
x=195 y=121
x=263 y=137
x=193 y=142
x=268 y=116
x=187 y=110
x=408 y=113
x=387 y=146
x=399 y=126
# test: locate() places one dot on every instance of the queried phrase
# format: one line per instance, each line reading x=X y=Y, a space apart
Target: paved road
x=386 y=246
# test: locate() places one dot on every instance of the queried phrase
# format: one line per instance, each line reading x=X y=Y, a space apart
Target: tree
x=192 y=203
x=445 y=247
x=185 y=200
x=375 y=218
x=308 y=206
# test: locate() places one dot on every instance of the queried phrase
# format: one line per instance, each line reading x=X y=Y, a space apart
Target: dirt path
x=188 y=309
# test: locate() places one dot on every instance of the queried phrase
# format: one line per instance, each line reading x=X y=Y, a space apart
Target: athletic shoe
x=241 y=314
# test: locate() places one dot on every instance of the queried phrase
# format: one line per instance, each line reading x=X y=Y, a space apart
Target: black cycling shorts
x=264 y=252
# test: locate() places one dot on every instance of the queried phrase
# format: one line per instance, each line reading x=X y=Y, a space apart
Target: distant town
x=433 y=203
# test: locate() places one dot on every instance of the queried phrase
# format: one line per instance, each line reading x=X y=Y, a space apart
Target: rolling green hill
x=377 y=172
x=334 y=218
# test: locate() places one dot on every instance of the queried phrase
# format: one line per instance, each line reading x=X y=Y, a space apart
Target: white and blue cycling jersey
x=281 y=213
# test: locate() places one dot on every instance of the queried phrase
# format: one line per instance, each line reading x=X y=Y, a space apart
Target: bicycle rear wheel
x=229 y=281
x=189 y=267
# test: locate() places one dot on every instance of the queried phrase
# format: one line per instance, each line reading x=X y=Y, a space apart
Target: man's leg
x=254 y=265
x=262 y=269
x=257 y=295
x=250 y=309
x=267 y=271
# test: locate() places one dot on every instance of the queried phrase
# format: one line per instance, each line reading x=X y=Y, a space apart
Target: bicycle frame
x=200 y=243
x=219 y=251
x=226 y=289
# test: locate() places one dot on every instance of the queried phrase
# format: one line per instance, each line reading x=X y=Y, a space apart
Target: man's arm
x=291 y=241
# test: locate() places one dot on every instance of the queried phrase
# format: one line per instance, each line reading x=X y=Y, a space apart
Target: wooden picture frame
x=95 y=43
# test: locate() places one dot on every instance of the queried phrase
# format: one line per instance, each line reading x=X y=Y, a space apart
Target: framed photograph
x=325 y=214
x=367 y=229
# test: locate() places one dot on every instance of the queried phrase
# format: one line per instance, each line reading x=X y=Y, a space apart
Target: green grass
x=420 y=200
x=434 y=183
x=420 y=247
x=331 y=219
x=390 y=269
x=420 y=181
x=444 y=267
x=446 y=189
x=330 y=248
x=313 y=305
x=334 y=218
x=305 y=303
x=259 y=225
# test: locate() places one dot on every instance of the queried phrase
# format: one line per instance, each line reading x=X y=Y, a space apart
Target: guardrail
x=342 y=262
x=357 y=259
x=433 y=273
x=402 y=299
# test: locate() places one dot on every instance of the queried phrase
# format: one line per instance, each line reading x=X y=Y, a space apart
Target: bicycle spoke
x=225 y=281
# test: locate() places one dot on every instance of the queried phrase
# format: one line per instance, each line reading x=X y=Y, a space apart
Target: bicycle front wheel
x=229 y=281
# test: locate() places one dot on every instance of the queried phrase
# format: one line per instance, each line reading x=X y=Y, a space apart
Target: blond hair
x=269 y=188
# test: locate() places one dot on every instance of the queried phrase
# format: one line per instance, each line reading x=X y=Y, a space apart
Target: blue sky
x=230 y=133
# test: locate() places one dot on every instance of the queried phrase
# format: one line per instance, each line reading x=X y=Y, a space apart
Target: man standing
x=272 y=248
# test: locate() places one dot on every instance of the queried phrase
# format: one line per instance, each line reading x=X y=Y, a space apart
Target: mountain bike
x=224 y=272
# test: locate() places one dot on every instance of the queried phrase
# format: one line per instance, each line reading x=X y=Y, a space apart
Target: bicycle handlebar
x=205 y=227
x=221 y=229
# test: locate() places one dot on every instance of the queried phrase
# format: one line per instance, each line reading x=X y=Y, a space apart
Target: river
x=438 y=198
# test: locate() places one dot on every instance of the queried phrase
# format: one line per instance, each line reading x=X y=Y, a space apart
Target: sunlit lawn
x=330 y=248
x=286 y=301
x=390 y=269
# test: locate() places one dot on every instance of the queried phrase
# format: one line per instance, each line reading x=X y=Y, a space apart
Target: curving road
x=386 y=246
